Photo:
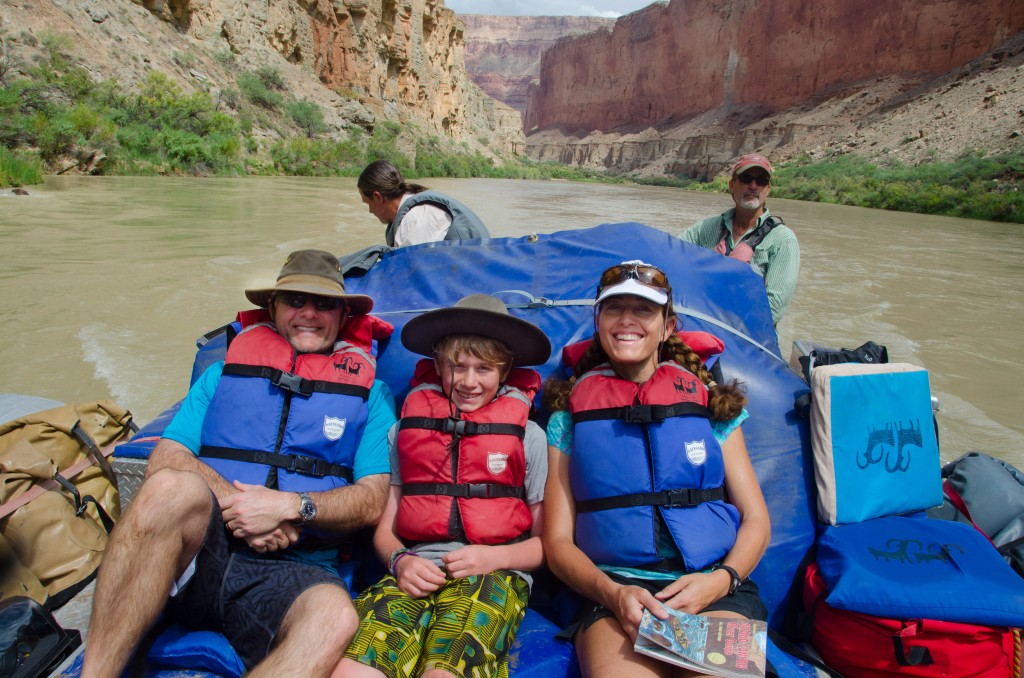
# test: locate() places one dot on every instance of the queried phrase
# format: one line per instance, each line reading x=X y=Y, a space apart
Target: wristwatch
x=736 y=581
x=307 y=509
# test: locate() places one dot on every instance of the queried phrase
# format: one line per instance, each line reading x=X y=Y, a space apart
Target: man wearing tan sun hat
x=749 y=233
x=275 y=455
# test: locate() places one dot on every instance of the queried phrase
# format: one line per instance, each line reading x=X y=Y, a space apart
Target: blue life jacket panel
x=652 y=441
x=308 y=409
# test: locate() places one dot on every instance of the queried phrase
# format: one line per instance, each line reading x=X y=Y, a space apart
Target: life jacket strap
x=752 y=239
x=307 y=466
x=296 y=384
x=461 y=427
x=686 y=498
x=466 y=490
x=643 y=414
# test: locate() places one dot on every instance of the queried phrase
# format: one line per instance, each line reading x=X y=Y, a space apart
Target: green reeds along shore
x=56 y=118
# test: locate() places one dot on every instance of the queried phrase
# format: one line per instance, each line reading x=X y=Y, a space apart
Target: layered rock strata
x=682 y=87
x=503 y=52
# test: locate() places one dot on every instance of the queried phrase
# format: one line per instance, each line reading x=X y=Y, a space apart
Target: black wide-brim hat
x=482 y=315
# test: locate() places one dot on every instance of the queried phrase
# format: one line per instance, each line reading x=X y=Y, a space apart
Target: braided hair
x=726 y=401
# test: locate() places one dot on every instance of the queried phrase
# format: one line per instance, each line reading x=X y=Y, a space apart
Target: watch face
x=307 y=509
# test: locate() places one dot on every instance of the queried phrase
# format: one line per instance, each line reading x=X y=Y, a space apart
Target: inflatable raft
x=550 y=280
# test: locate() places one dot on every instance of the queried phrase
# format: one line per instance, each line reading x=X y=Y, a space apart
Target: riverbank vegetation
x=972 y=187
x=54 y=119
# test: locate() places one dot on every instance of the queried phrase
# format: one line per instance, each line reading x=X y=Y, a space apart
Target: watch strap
x=733 y=574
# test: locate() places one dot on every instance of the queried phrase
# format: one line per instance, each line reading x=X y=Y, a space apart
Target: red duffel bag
x=860 y=645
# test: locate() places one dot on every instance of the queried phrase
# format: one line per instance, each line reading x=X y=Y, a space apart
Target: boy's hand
x=418 y=577
x=470 y=560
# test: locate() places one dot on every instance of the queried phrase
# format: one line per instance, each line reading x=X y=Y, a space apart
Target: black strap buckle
x=293 y=382
x=309 y=466
x=637 y=414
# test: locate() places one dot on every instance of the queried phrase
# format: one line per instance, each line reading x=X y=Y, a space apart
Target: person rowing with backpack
x=651 y=498
x=747 y=232
x=413 y=213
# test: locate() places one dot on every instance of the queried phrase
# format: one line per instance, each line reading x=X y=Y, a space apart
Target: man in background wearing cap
x=748 y=233
x=275 y=454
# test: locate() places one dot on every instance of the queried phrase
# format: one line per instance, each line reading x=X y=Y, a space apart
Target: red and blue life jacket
x=285 y=420
x=641 y=452
x=463 y=478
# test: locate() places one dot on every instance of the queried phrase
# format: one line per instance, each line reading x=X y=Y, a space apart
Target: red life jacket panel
x=463 y=478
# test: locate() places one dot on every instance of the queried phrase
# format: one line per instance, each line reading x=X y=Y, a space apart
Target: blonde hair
x=483 y=348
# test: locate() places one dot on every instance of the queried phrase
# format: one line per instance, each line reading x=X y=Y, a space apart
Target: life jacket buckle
x=308 y=466
x=637 y=414
x=293 y=383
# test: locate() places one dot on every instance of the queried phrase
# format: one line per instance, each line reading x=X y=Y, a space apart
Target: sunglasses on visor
x=759 y=179
x=644 y=273
x=299 y=299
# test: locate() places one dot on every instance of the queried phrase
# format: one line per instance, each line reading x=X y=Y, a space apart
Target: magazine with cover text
x=734 y=648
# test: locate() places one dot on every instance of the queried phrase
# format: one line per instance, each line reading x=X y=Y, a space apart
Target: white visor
x=636 y=288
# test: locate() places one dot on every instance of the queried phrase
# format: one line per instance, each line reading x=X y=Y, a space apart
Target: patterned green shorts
x=466 y=627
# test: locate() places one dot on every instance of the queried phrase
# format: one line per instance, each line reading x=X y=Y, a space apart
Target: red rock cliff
x=503 y=52
x=673 y=61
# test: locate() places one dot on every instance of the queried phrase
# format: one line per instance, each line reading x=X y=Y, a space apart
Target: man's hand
x=256 y=511
x=276 y=540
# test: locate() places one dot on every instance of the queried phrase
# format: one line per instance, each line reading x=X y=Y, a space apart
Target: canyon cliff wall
x=360 y=61
x=675 y=60
x=401 y=58
x=503 y=52
x=684 y=87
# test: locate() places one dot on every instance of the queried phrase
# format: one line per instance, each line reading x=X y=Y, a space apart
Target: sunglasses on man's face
x=299 y=299
x=759 y=179
x=644 y=273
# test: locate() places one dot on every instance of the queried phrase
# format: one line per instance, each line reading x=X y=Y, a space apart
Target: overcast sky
x=605 y=8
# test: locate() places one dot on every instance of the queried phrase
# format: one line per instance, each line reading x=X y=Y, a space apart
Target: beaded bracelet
x=396 y=555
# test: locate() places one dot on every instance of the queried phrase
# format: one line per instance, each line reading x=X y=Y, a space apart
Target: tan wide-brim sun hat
x=482 y=315
x=313 y=272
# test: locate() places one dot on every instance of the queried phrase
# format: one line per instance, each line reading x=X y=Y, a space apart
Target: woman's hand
x=418 y=577
x=694 y=592
x=628 y=607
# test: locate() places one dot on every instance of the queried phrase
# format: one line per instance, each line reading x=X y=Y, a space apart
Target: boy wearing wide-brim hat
x=462 y=525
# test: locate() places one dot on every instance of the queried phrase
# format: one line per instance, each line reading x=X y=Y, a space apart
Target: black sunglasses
x=299 y=299
x=644 y=273
x=759 y=179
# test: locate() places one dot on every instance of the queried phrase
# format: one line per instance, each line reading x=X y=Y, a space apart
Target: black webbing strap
x=308 y=466
x=466 y=490
x=461 y=427
x=88 y=443
x=668 y=498
x=82 y=503
x=644 y=414
x=296 y=384
x=754 y=238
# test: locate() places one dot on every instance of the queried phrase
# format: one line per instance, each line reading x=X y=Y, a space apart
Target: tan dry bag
x=58 y=496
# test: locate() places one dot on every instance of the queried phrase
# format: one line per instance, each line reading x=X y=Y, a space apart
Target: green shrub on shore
x=18 y=170
x=57 y=115
x=972 y=187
